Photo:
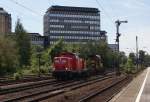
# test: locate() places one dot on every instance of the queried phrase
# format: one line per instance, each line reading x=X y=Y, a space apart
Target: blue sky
x=137 y=12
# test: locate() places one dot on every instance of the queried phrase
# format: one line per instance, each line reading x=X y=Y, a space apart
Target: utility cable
x=19 y=4
x=109 y=17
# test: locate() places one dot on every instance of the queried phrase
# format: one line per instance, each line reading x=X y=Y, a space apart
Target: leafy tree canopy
x=8 y=55
x=23 y=44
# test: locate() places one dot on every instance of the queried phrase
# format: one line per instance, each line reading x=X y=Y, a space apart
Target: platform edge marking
x=142 y=87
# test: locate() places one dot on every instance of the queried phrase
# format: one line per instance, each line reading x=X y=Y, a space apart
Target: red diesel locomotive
x=70 y=65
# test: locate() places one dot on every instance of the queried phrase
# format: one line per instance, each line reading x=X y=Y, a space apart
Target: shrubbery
x=18 y=75
x=129 y=66
x=8 y=56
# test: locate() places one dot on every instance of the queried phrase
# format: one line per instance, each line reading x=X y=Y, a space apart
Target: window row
x=76 y=27
x=54 y=20
x=75 y=21
x=74 y=16
x=54 y=42
x=79 y=27
x=92 y=22
x=75 y=37
x=75 y=13
x=75 y=32
x=57 y=26
x=94 y=28
x=36 y=39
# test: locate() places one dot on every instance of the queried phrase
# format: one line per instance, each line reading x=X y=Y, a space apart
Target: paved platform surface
x=137 y=91
x=144 y=94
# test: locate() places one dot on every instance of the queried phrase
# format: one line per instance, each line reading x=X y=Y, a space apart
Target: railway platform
x=137 y=91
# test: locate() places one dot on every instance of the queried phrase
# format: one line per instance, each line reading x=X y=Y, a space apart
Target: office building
x=73 y=24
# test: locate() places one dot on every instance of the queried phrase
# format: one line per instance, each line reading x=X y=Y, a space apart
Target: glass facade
x=73 y=24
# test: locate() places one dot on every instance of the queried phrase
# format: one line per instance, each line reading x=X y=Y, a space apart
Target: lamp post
x=118 y=23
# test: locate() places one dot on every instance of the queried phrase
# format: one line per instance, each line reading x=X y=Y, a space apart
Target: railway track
x=106 y=93
x=51 y=90
x=25 y=86
x=29 y=78
x=62 y=90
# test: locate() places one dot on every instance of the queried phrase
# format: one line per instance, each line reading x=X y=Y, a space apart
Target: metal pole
x=137 y=55
x=117 y=40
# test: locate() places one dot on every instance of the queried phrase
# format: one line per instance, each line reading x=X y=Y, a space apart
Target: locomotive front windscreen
x=62 y=63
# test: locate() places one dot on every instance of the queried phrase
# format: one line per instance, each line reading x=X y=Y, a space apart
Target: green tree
x=106 y=53
x=56 y=49
x=99 y=48
x=123 y=58
x=34 y=56
x=141 y=57
x=147 y=60
x=75 y=48
x=111 y=59
x=8 y=56
x=23 y=43
x=132 y=57
x=40 y=58
x=85 y=50
x=129 y=67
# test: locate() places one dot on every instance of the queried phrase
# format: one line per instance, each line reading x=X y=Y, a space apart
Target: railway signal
x=118 y=23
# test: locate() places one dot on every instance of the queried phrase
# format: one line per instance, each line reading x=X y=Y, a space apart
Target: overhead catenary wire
x=9 y=8
x=30 y=10
x=109 y=17
x=23 y=13
x=19 y=14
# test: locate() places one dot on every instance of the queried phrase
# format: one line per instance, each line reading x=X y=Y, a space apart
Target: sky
x=136 y=12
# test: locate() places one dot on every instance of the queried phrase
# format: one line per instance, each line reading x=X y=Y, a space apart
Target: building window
x=54 y=20
x=74 y=16
x=56 y=26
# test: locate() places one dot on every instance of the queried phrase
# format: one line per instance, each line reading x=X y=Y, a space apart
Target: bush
x=43 y=70
x=8 y=56
x=18 y=75
x=34 y=70
x=26 y=72
x=129 y=66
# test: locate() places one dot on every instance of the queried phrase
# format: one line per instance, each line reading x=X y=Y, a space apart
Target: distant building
x=114 y=47
x=73 y=24
x=5 y=22
x=37 y=39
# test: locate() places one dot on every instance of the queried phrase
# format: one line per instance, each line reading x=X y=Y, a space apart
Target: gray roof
x=73 y=9
x=34 y=34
